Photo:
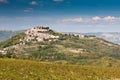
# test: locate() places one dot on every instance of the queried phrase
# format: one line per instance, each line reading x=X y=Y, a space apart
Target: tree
x=8 y=55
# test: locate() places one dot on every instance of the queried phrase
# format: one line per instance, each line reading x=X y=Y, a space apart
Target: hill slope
x=46 y=45
x=4 y=35
x=109 y=36
x=11 y=69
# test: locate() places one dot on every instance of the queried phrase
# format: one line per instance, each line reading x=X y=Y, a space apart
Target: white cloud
x=73 y=20
x=28 y=10
x=33 y=3
x=58 y=0
x=96 y=18
x=3 y=1
x=109 y=18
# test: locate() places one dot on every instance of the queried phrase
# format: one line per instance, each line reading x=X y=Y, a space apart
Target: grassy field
x=12 y=69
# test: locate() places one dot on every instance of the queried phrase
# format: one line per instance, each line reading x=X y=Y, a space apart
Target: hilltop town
x=39 y=34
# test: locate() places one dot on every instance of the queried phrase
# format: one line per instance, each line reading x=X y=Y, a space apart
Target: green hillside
x=43 y=54
x=11 y=69
x=68 y=49
x=4 y=35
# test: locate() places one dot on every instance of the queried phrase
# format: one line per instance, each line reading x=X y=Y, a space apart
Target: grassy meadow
x=12 y=69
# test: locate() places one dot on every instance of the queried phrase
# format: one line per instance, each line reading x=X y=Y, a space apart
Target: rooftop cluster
x=39 y=33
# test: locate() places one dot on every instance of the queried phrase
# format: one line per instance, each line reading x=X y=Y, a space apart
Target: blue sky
x=61 y=15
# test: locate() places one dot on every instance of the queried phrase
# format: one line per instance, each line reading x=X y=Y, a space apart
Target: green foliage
x=1 y=56
x=11 y=69
x=12 y=41
x=4 y=35
x=10 y=55
x=68 y=49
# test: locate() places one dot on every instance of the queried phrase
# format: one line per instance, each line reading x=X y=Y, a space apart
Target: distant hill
x=4 y=35
x=109 y=36
x=43 y=44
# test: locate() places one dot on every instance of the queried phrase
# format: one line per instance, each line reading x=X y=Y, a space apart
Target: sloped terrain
x=11 y=69
x=4 y=35
x=66 y=49
x=109 y=36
